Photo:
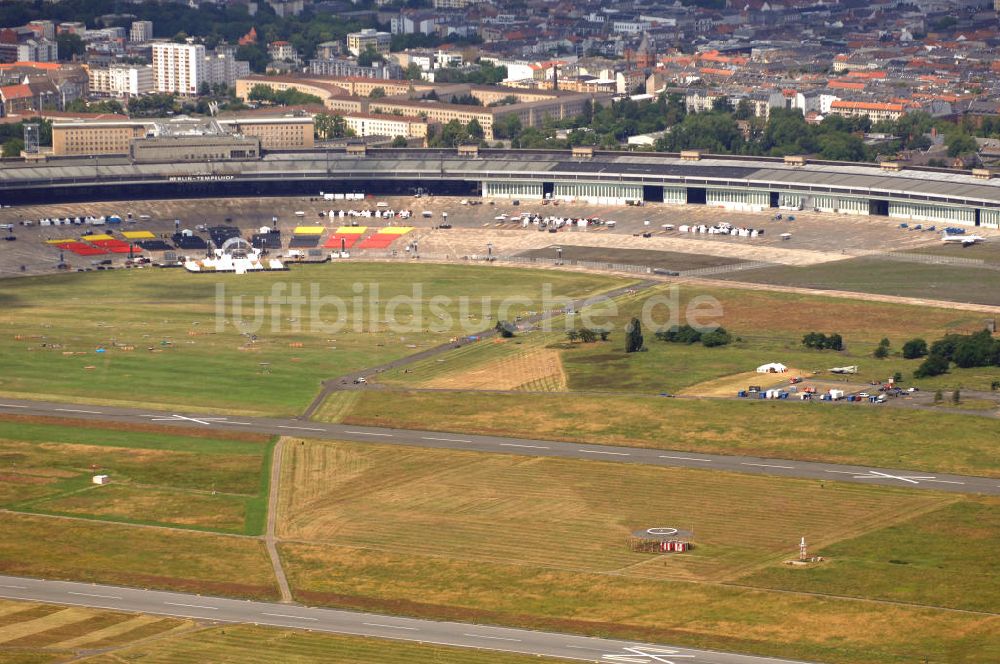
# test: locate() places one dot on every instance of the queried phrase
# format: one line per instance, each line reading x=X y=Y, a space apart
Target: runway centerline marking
x=412 y=629
x=534 y=447
x=14 y=587
x=78 y=410
x=193 y=606
x=447 y=440
x=603 y=452
x=70 y=592
x=664 y=456
x=11 y=405
x=285 y=615
x=369 y=433
x=282 y=426
x=767 y=465
x=495 y=638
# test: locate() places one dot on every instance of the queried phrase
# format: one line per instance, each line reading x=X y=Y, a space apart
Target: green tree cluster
x=288 y=97
x=686 y=334
x=454 y=133
x=964 y=350
x=821 y=341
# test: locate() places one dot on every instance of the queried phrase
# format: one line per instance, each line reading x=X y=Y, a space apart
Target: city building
x=372 y=124
x=286 y=132
x=24 y=45
x=140 y=32
x=351 y=69
x=38 y=86
x=222 y=67
x=122 y=80
x=874 y=111
x=358 y=42
x=282 y=51
x=43 y=29
x=97 y=137
x=412 y=99
x=455 y=4
x=178 y=68
x=93 y=138
x=286 y=8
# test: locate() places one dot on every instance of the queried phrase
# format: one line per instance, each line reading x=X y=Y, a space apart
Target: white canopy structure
x=773 y=367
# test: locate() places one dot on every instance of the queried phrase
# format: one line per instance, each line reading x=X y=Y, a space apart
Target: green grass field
x=988 y=252
x=887 y=437
x=945 y=558
x=163 y=346
x=156 y=478
x=769 y=327
x=541 y=543
x=40 y=633
x=888 y=277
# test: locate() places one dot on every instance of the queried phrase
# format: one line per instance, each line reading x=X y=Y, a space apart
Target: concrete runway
x=525 y=447
x=217 y=609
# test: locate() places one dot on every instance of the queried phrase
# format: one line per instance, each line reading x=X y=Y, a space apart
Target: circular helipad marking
x=663 y=533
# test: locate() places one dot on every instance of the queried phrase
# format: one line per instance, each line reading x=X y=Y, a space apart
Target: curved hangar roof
x=866 y=180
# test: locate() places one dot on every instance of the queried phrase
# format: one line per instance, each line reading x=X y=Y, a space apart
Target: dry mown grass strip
x=145 y=428
x=20 y=613
x=140 y=627
x=60 y=619
x=532 y=366
x=69 y=631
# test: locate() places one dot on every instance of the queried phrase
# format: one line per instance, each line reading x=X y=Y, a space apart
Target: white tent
x=773 y=367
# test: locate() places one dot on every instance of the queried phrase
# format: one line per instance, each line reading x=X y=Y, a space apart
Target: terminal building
x=188 y=140
x=429 y=101
x=115 y=137
x=937 y=196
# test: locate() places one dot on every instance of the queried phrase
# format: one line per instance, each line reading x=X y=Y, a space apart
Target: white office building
x=179 y=68
x=122 y=80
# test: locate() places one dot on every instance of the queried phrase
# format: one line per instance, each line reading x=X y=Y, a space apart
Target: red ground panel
x=333 y=242
x=81 y=249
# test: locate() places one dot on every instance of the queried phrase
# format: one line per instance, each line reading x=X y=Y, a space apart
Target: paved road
x=295 y=616
x=524 y=447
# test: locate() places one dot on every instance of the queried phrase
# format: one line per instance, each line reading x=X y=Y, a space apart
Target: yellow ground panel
x=138 y=235
x=60 y=241
x=351 y=230
x=99 y=236
x=395 y=230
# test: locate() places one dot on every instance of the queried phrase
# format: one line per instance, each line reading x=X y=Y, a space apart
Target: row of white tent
x=553 y=222
x=722 y=229
x=78 y=221
x=368 y=214
x=342 y=197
